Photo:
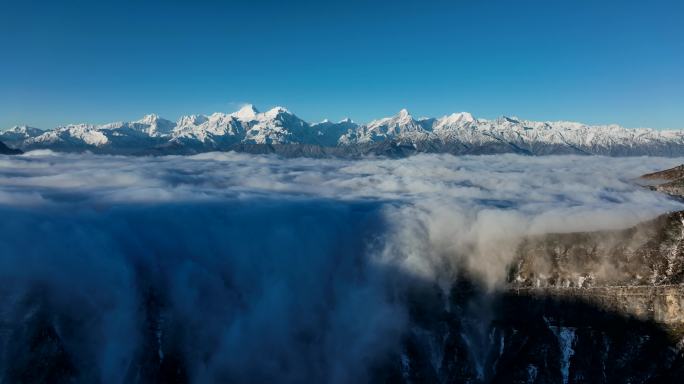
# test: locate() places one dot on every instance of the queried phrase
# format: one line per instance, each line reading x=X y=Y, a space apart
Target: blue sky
x=99 y=61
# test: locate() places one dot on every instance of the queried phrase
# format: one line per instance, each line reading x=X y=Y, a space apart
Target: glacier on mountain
x=251 y=130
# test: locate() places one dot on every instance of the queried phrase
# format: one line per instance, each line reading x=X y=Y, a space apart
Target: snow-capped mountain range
x=251 y=130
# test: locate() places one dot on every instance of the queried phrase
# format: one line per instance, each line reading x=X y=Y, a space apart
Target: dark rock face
x=669 y=181
x=5 y=150
x=526 y=337
x=668 y=174
x=471 y=336
x=37 y=353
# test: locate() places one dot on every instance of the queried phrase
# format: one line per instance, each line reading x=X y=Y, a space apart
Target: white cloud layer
x=277 y=269
x=466 y=204
x=532 y=185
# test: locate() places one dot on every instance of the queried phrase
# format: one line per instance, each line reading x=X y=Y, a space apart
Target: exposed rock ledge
x=663 y=304
x=637 y=272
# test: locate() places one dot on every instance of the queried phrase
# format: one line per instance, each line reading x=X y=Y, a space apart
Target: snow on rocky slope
x=458 y=133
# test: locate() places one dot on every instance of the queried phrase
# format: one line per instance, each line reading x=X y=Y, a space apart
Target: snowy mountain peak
x=149 y=119
x=191 y=120
x=246 y=113
x=275 y=111
x=455 y=118
x=23 y=129
x=16 y=135
x=404 y=114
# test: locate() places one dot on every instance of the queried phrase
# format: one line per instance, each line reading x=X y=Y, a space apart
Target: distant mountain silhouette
x=5 y=150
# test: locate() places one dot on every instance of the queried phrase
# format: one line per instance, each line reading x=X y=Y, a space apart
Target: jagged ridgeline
x=280 y=131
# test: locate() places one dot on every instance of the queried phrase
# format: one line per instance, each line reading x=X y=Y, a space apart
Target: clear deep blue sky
x=587 y=60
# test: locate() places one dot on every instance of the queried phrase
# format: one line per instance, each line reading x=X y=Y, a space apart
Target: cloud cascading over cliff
x=236 y=267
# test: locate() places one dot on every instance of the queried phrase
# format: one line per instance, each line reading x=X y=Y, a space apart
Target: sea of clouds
x=260 y=269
